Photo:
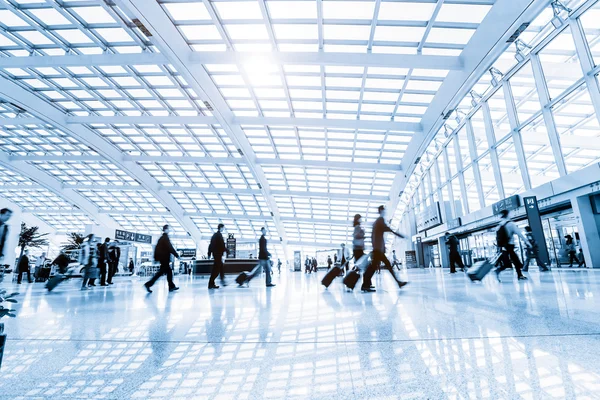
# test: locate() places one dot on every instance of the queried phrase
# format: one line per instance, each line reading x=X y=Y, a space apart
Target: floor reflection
x=442 y=337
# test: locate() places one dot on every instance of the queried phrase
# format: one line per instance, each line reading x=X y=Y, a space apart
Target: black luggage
x=43 y=275
x=481 y=268
x=241 y=278
x=351 y=279
x=54 y=281
x=330 y=276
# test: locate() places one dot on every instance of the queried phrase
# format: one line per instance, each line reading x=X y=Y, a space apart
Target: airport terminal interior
x=299 y=199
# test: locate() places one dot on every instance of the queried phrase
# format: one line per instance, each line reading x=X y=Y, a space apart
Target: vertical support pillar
x=544 y=96
x=587 y=63
x=511 y=110
x=475 y=163
x=461 y=176
x=449 y=182
x=589 y=230
x=438 y=177
x=489 y=132
x=444 y=259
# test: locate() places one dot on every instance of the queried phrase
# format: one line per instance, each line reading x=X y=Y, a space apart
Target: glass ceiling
x=299 y=145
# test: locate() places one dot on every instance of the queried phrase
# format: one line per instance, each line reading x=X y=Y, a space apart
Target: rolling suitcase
x=54 y=281
x=333 y=272
x=481 y=268
x=351 y=279
x=241 y=278
x=43 y=274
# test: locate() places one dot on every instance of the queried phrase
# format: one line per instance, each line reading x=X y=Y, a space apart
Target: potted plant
x=30 y=237
x=74 y=242
x=5 y=298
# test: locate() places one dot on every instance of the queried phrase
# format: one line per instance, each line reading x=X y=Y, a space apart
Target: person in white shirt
x=343 y=255
x=505 y=237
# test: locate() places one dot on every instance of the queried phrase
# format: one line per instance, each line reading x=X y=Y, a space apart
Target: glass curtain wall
x=536 y=120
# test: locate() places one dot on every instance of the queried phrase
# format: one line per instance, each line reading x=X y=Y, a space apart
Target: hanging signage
x=454 y=223
x=186 y=253
x=508 y=204
x=141 y=238
x=124 y=235
x=429 y=217
x=231 y=246
x=127 y=236
x=410 y=256
x=537 y=230
x=297 y=261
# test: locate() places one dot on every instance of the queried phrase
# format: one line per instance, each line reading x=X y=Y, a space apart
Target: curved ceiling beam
x=48 y=182
x=170 y=42
x=12 y=92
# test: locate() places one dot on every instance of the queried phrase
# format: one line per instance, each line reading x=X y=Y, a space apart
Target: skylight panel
x=346 y=32
x=295 y=31
x=465 y=13
x=399 y=33
x=73 y=36
x=112 y=35
x=452 y=36
x=384 y=83
x=247 y=32
x=35 y=37
x=94 y=15
x=201 y=32
x=292 y=9
x=9 y=19
x=348 y=9
x=187 y=11
x=49 y=16
x=238 y=10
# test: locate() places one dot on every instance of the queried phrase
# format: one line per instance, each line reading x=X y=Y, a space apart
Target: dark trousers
x=455 y=259
x=573 y=258
x=216 y=271
x=102 y=266
x=112 y=271
x=509 y=256
x=377 y=257
x=533 y=256
x=357 y=254
x=165 y=269
x=20 y=277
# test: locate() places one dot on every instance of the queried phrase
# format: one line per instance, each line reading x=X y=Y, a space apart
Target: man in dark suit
x=162 y=254
x=102 y=260
x=217 y=248
x=114 y=254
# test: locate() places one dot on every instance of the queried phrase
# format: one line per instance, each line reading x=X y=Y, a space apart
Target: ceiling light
x=496 y=76
x=475 y=98
x=557 y=8
x=521 y=48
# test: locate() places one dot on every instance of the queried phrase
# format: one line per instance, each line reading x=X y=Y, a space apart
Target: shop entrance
x=556 y=227
x=431 y=253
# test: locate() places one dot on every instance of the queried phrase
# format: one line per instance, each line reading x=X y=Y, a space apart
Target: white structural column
x=438 y=177
x=544 y=96
x=461 y=176
x=511 y=110
x=587 y=63
x=485 y=46
x=170 y=42
x=12 y=92
x=55 y=186
x=449 y=182
x=491 y=138
x=475 y=162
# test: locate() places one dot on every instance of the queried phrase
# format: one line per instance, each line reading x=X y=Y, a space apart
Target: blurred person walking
x=533 y=252
x=453 y=253
x=378 y=256
x=263 y=261
x=88 y=259
x=162 y=253
x=23 y=267
x=114 y=255
x=571 y=251
x=358 y=238
x=505 y=240
x=102 y=260
x=217 y=248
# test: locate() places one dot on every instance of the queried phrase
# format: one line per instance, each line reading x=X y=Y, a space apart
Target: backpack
x=502 y=238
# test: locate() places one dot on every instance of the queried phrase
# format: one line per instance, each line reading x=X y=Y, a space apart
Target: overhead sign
x=143 y=238
x=537 y=230
x=508 y=204
x=429 y=218
x=187 y=253
x=127 y=236
x=124 y=235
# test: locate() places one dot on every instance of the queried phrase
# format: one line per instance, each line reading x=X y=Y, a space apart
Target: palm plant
x=30 y=237
x=74 y=241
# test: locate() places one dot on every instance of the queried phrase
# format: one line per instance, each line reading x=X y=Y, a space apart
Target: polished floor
x=441 y=337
